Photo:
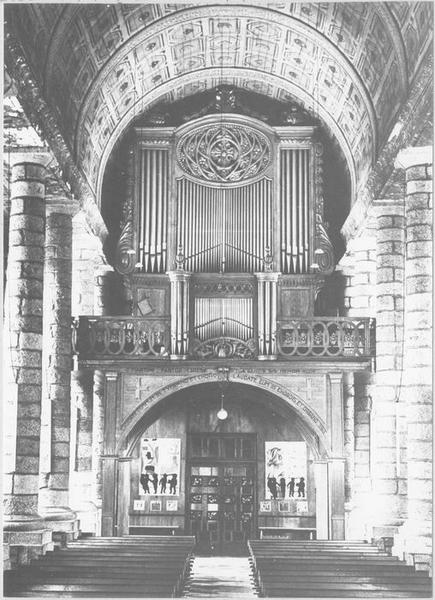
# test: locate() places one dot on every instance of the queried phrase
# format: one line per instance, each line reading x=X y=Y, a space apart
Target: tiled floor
x=220 y=576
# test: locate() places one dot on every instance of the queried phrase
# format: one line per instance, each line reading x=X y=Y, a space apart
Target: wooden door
x=222 y=495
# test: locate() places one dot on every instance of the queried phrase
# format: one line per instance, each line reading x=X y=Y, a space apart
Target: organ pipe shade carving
x=224 y=153
x=224 y=230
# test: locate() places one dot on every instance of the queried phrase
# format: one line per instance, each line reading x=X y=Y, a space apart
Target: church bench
x=267 y=531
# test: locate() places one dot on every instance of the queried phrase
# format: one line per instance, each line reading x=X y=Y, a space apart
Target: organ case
x=228 y=194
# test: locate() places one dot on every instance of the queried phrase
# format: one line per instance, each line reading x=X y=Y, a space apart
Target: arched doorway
x=257 y=472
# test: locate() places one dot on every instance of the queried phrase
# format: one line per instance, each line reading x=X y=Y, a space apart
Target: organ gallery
x=217 y=225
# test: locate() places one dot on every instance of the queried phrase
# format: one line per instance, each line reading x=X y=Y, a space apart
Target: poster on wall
x=160 y=467
x=286 y=470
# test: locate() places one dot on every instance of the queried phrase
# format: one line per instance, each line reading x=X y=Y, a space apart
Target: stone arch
x=308 y=416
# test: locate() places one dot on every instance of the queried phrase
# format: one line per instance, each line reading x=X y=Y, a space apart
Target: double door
x=222 y=505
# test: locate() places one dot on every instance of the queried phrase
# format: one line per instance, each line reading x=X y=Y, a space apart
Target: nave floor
x=220 y=577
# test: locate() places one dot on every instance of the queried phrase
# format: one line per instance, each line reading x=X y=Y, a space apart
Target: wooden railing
x=296 y=339
x=121 y=337
x=328 y=337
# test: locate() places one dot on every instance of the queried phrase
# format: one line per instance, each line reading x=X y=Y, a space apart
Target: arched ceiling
x=100 y=65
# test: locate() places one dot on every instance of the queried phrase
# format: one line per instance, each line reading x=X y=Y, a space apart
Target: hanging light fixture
x=222 y=413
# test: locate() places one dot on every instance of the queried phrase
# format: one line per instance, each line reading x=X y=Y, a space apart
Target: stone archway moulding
x=307 y=414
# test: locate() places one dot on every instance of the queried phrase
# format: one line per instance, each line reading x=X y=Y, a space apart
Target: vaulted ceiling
x=99 y=66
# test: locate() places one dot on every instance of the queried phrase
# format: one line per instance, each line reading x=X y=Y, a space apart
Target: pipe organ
x=220 y=196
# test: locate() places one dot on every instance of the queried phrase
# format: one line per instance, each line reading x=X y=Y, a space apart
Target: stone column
x=102 y=306
x=416 y=536
x=336 y=462
x=108 y=457
x=24 y=530
x=389 y=476
x=180 y=327
x=349 y=438
x=81 y=479
x=98 y=445
x=57 y=363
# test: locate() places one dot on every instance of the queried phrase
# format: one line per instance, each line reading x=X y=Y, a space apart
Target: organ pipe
x=294 y=207
x=153 y=212
x=267 y=308
x=215 y=317
x=224 y=230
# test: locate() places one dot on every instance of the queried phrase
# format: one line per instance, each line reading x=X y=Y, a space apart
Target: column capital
x=268 y=275
x=111 y=375
x=34 y=157
x=413 y=157
x=62 y=204
x=179 y=275
x=336 y=377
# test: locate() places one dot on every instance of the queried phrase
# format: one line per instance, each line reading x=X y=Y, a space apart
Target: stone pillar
x=349 y=441
x=359 y=521
x=81 y=464
x=179 y=314
x=415 y=538
x=124 y=481
x=24 y=530
x=389 y=476
x=336 y=462
x=266 y=313
x=98 y=445
x=108 y=457
x=57 y=363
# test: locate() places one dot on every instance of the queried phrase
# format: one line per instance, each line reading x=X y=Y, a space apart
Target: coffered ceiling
x=101 y=65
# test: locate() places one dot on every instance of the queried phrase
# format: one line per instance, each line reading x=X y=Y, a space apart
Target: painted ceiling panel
x=100 y=65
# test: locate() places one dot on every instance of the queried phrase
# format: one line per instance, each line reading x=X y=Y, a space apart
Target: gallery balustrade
x=101 y=338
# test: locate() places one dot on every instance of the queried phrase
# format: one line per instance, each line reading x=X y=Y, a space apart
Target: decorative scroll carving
x=323 y=249
x=223 y=347
x=126 y=257
x=224 y=153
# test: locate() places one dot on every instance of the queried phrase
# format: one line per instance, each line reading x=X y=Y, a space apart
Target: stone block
x=27 y=253
x=19 y=505
x=419 y=488
x=19 y=288
x=419 y=248
x=418 y=283
x=31 y=306
x=385 y=486
x=421 y=469
x=60 y=434
x=27 y=189
x=418 y=233
x=27 y=447
x=27 y=464
x=26 y=358
x=422 y=187
x=62 y=449
x=26 y=483
x=416 y=173
x=24 y=237
x=60 y=465
x=30 y=341
x=32 y=270
x=417 y=376
x=28 y=207
x=385 y=301
x=29 y=393
x=29 y=376
x=28 y=410
x=28 y=427
x=419 y=451
x=362 y=457
x=59 y=481
x=362 y=443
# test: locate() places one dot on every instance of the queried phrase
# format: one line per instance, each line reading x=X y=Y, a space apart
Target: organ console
x=237 y=198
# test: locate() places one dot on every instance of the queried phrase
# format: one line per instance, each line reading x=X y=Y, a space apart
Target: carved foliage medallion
x=224 y=153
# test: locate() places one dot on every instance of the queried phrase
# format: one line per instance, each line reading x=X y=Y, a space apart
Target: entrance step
x=220 y=577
